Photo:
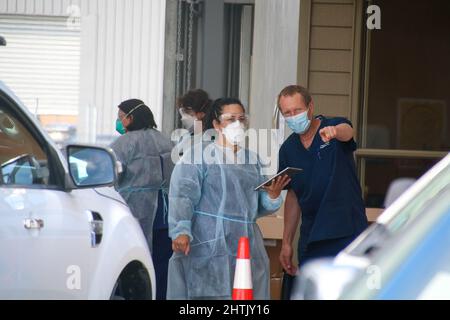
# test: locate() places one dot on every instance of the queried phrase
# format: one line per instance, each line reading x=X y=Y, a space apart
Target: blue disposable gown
x=215 y=204
x=146 y=159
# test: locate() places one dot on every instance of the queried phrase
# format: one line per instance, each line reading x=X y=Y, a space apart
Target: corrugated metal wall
x=46 y=7
x=41 y=63
x=122 y=55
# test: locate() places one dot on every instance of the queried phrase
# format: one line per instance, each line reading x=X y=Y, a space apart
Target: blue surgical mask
x=299 y=123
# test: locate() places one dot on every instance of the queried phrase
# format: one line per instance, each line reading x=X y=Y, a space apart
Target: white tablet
x=288 y=171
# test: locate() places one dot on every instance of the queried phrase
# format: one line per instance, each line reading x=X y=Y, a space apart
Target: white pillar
x=275 y=55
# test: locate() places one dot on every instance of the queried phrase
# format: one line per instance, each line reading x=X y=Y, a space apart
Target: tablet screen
x=288 y=171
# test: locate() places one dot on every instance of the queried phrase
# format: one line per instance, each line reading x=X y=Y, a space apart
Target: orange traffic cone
x=243 y=287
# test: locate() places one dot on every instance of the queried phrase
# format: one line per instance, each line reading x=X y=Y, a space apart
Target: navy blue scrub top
x=328 y=190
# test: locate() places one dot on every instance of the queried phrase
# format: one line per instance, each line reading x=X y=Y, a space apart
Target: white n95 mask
x=188 y=122
x=235 y=132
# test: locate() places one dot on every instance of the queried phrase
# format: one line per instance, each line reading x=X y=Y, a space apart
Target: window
x=405 y=116
x=199 y=65
x=415 y=262
x=239 y=41
x=23 y=162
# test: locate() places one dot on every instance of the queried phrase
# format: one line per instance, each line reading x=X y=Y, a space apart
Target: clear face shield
x=229 y=118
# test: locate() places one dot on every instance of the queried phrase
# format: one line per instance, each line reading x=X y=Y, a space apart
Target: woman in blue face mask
x=145 y=154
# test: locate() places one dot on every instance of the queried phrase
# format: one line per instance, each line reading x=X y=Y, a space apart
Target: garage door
x=41 y=63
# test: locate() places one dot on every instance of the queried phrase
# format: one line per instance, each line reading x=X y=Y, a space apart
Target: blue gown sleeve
x=184 y=195
x=268 y=205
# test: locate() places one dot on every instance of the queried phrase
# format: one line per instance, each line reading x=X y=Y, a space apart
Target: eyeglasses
x=233 y=117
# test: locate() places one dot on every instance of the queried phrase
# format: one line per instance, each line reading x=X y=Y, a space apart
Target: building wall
x=122 y=55
x=328 y=39
x=275 y=56
x=274 y=66
x=45 y=7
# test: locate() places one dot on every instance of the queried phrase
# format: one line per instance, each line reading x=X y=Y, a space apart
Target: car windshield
x=415 y=264
x=421 y=201
x=374 y=237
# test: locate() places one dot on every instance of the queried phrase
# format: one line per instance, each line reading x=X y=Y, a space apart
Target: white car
x=65 y=233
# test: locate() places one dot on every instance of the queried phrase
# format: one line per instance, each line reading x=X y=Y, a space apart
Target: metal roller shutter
x=41 y=63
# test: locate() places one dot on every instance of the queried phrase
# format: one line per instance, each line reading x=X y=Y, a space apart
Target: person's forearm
x=344 y=132
x=291 y=218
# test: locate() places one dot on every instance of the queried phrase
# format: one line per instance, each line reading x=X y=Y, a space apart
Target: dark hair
x=290 y=91
x=195 y=100
x=216 y=110
x=142 y=117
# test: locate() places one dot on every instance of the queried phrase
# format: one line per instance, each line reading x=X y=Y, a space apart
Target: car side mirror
x=322 y=279
x=91 y=166
x=2 y=41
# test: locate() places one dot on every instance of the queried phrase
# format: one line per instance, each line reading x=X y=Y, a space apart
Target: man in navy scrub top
x=326 y=194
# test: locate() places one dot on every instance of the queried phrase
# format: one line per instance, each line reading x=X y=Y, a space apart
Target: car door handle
x=33 y=224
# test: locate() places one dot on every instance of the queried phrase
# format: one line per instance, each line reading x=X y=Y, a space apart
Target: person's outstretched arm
x=342 y=132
